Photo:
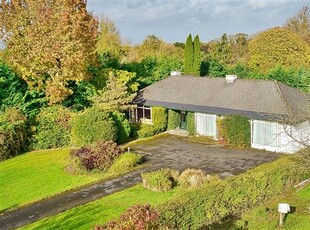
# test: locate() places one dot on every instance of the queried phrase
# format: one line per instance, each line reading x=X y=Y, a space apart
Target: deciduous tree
x=48 y=42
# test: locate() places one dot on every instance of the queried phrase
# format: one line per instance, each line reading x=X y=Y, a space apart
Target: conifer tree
x=189 y=55
x=196 y=57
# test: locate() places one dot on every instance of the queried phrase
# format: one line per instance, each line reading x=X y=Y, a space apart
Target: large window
x=206 y=124
x=265 y=133
x=144 y=114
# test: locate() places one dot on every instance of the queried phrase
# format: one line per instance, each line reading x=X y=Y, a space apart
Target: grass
x=266 y=216
x=104 y=209
x=37 y=175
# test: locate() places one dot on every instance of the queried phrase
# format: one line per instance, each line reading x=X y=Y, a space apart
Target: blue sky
x=173 y=20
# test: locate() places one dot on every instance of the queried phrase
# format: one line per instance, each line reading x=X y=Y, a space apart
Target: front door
x=183 y=120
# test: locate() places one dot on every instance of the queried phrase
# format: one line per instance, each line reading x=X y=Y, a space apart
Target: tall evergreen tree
x=189 y=55
x=196 y=57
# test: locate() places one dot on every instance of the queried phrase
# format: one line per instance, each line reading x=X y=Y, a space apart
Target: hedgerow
x=174 y=119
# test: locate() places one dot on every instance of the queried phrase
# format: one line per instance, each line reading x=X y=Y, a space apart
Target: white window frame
x=206 y=116
x=143 y=119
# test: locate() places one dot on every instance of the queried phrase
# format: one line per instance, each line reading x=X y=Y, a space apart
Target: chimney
x=231 y=78
x=175 y=73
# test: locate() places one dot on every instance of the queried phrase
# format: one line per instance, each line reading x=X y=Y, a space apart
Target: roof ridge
x=283 y=98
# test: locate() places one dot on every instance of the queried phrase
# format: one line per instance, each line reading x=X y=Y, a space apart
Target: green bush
x=126 y=162
x=191 y=127
x=161 y=180
x=134 y=128
x=192 y=178
x=99 y=156
x=123 y=127
x=92 y=125
x=146 y=130
x=236 y=131
x=174 y=119
x=13 y=133
x=53 y=128
x=159 y=119
x=219 y=200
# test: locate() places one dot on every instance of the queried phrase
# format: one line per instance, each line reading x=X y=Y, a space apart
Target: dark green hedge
x=123 y=127
x=92 y=125
x=174 y=119
x=159 y=119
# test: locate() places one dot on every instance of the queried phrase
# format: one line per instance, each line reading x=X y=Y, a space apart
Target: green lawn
x=104 y=209
x=266 y=216
x=36 y=175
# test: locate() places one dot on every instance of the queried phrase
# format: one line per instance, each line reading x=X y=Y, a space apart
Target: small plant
x=193 y=178
x=126 y=162
x=100 y=156
x=139 y=217
x=161 y=180
x=146 y=130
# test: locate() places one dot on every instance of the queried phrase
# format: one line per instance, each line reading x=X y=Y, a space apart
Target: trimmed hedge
x=146 y=130
x=92 y=125
x=219 y=200
x=236 y=131
x=123 y=127
x=53 y=128
x=174 y=119
x=191 y=127
x=159 y=119
x=13 y=133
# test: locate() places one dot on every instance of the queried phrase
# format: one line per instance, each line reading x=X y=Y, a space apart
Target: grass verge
x=104 y=209
x=36 y=175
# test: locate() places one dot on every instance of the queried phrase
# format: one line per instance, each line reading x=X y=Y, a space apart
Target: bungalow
x=278 y=114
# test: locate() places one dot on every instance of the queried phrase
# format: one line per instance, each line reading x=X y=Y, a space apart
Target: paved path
x=166 y=151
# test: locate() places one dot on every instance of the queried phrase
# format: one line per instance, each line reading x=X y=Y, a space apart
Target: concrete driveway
x=177 y=152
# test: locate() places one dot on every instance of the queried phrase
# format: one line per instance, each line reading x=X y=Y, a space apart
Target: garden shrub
x=123 y=127
x=99 y=156
x=174 y=119
x=92 y=125
x=146 y=130
x=134 y=128
x=138 y=217
x=161 y=180
x=13 y=133
x=222 y=199
x=236 y=131
x=191 y=127
x=159 y=119
x=126 y=162
x=53 y=128
x=192 y=178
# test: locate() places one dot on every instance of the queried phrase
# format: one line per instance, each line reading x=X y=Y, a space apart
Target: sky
x=173 y=20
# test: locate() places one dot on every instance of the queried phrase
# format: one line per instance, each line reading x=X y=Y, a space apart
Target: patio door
x=206 y=124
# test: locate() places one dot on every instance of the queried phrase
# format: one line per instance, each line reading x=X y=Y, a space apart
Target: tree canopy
x=48 y=43
x=278 y=46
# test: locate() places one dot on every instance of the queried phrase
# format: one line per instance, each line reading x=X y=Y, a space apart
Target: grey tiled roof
x=252 y=98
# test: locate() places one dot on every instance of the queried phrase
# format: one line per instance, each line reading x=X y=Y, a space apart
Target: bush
x=92 y=125
x=126 y=162
x=159 y=119
x=219 y=200
x=161 y=180
x=236 y=131
x=123 y=127
x=135 y=217
x=13 y=133
x=191 y=127
x=146 y=130
x=193 y=178
x=53 y=127
x=99 y=156
x=134 y=128
x=174 y=119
